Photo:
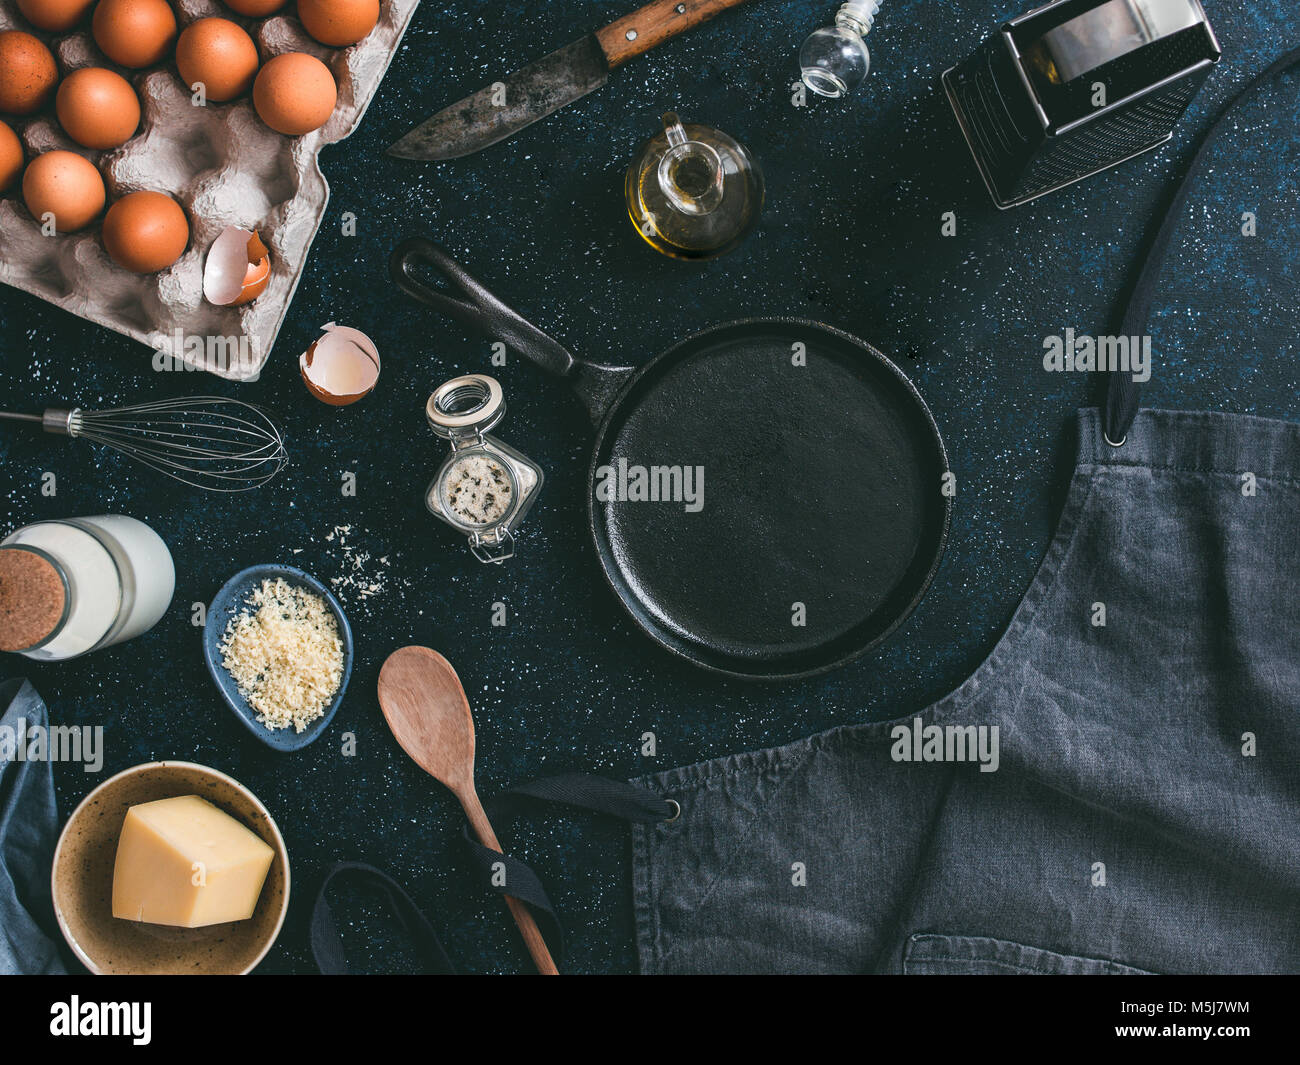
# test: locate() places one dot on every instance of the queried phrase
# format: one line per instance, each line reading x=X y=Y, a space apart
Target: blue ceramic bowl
x=230 y=601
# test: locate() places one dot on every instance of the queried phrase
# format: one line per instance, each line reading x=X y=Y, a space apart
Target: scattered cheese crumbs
x=360 y=579
x=284 y=652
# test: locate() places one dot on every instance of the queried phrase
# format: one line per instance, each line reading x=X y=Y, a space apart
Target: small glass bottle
x=834 y=61
x=73 y=586
x=694 y=192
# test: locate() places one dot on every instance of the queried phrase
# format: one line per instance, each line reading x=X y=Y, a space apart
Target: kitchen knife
x=504 y=108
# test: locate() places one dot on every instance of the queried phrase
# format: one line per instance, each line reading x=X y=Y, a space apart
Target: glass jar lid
x=466 y=407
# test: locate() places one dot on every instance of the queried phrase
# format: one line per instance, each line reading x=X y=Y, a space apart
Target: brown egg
x=220 y=55
x=27 y=73
x=11 y=157
x=134 y=33
x=338 y=22
x=57 y=16
x=97 y=108
x=65 y=185
x=145 y=232
x=255 y=8
x=294 y=93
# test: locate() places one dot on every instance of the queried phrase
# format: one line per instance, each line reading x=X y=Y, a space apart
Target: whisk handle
x=60 y=422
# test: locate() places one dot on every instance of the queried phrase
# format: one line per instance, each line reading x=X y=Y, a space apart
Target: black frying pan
x=822 y=482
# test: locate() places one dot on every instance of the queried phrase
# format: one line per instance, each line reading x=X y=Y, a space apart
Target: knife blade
x=499 y=111
x=503 y=108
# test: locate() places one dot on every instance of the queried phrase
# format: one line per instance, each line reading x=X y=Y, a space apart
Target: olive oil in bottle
x=694 y=192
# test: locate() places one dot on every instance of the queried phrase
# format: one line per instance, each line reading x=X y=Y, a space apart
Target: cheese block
x=185 y=863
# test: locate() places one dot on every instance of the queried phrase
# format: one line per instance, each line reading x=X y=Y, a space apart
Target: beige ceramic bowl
x=82 y=881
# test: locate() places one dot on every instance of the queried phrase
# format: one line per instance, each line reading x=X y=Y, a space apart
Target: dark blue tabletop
x=851 y=236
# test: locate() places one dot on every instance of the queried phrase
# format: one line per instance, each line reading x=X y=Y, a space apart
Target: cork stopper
x=33 y=598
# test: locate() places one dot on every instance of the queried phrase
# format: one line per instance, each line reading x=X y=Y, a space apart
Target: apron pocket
x=936 y=955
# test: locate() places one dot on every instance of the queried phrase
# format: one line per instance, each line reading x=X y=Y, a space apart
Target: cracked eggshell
x=341 y=366
x=237 y=270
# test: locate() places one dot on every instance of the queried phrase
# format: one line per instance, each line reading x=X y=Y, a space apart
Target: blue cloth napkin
x=29 y=829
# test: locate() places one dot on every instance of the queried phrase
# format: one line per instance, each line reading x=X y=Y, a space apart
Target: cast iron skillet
x=823 y=518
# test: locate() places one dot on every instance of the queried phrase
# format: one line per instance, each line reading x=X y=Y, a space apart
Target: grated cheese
x=284 y=652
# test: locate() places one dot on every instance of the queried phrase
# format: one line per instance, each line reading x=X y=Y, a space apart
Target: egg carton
x=222 y=164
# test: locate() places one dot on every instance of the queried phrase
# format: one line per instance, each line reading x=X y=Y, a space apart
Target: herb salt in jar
x=73 y=586
x=485 y=487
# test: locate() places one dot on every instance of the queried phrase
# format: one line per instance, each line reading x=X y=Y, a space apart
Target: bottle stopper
x=33 y=598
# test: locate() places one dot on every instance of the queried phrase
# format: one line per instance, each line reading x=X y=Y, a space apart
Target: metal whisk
x=220 y=445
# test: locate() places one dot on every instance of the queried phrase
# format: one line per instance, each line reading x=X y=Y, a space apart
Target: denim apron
x=1144 y=815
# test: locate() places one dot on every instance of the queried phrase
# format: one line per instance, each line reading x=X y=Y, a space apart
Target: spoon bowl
x=425 y=706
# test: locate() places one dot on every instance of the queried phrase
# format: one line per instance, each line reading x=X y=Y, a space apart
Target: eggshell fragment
x=237 y=268
x=341 y=366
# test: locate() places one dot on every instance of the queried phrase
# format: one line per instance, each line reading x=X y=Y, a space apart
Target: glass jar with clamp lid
x=485 y=487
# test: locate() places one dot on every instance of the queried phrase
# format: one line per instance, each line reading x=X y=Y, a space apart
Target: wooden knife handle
x=533 y=940
x=655 y=23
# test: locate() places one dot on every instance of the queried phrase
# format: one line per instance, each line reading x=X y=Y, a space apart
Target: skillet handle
x=473 y=305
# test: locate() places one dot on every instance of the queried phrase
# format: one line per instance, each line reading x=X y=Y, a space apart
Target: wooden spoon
x=425 y=706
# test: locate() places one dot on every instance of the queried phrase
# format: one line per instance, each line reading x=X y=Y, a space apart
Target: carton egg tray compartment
x=221 y=163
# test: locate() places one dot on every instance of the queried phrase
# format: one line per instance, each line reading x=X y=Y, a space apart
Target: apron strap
x=327 y=945
x=628 y=802
x=1122 y=392
x=613 y=798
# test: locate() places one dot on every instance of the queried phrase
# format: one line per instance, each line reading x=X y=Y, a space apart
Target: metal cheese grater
x=1076 y=87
